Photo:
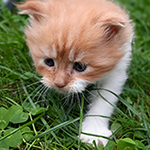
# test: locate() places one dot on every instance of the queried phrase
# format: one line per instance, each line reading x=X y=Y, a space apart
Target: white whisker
x=40 y=101
x=18 y=88
x=34 y=91
x=33 y=84
x=39 y=91
x=46 y=91
x=65 y=96
x=85 y=98
x=66 y=101
x=71 y=102
x=78 y=100
x=42 y=91
x=91 y=93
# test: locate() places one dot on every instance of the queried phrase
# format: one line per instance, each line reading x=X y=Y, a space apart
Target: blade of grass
x=16 y=73
x=124 y=102
x=113 y=105
x=12 y=101
x=56 y=127
x=28 y=96
x=81 y=119
x=145 y=123
x=98 y=136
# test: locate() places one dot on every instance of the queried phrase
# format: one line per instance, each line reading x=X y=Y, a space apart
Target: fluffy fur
x=96 y=33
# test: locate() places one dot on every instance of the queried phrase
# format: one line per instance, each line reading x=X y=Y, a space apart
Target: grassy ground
x=41 y=112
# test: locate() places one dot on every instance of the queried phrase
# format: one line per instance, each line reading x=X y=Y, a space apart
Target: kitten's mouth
x=61 y=90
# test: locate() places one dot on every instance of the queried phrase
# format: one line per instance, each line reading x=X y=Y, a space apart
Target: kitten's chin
x=66 y=91
x=61 y=90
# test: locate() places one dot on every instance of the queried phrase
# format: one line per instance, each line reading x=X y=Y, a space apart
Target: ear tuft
x=112 y=29
x=34 y=8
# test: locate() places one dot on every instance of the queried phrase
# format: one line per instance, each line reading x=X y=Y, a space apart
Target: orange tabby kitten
x=74 y=43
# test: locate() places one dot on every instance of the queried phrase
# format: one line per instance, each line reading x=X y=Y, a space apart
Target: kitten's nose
x=60 y=79
x=60 y=84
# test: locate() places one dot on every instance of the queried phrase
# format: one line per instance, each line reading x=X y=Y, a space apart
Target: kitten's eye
x=79 y=67
x=49 y=62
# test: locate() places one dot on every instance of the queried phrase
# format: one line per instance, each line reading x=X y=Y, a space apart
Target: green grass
x=53 y=126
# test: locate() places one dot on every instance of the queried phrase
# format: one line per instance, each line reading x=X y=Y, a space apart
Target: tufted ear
x=34 y=8
x=112 y=28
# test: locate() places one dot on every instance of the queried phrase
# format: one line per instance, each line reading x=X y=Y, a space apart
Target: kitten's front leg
x=97 y=125
x=100 y=125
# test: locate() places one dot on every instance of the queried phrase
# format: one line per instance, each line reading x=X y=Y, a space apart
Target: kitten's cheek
x=78 y=86
x=41 y=70
x=46 y=82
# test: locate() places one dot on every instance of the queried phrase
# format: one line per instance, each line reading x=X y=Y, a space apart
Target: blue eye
x=79 y=67
x=49 y=62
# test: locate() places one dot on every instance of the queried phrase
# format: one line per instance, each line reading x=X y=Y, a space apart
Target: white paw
x=98 y=140
x=95 y=126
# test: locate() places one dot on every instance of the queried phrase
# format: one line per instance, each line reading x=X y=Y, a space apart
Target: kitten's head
x=75 y=42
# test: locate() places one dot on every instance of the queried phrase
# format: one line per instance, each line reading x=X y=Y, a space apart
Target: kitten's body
x=77 y=42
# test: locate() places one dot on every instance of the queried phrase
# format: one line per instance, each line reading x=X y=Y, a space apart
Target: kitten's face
x=72 y=48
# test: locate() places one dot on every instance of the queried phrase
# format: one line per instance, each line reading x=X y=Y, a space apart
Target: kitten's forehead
x=49 y=52
x=71 y=55
x=54 y=52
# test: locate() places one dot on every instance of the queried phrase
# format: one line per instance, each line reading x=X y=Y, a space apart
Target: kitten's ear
x=34 y=8
x=112 y=28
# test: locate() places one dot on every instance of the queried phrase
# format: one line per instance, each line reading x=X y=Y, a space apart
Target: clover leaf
x=13 y=140
x=4 y=118
x=34 y=111
x=27 y=133
x=126 y=144
x=17 y=115
x=3 y=145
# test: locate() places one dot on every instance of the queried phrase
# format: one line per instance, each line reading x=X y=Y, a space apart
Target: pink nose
x=59 y=84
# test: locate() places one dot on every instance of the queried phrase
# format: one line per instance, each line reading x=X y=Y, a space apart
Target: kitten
x=74 y=43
